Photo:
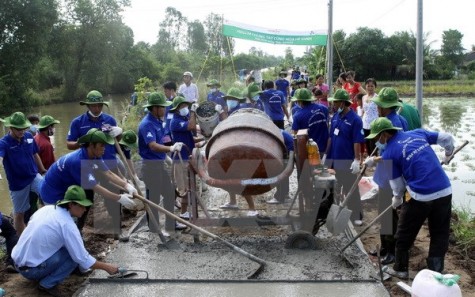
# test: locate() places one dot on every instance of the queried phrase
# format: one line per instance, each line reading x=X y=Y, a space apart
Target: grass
x=432 y=87
x=463 y=226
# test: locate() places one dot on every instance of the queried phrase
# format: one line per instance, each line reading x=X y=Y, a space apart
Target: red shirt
x=352 y=91
x=46 y=151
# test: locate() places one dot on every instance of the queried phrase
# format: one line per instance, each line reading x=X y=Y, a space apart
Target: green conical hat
x=379 y=125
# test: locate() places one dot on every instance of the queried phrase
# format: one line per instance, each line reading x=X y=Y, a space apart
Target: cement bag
x=428 y=283
x=367 y=188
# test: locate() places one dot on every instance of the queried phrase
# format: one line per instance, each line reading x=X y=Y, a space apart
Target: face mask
x=184 y=112
x=34 y=128
x=92 y=115
x=255 y=98
x=213 y=90
x=231 y=104
x=381 y=146
x=339 y=110
x=51 y=131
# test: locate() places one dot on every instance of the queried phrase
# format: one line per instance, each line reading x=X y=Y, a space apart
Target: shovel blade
x=337 y=219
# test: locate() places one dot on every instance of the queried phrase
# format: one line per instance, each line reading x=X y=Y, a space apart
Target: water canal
x=453 y=115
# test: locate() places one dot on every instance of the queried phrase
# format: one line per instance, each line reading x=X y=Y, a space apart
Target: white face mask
x=51 y=131
x=255 y=98
x=231 y=104
x=94 y=116
x=34 y=128
x=184 y=111
x=213 y=90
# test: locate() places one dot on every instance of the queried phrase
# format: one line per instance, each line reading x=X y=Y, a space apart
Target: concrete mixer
x=246 y=155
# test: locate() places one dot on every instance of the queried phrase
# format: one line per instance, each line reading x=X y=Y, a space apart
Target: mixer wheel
x=301 y=240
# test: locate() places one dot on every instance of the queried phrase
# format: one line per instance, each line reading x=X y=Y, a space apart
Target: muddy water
x=454 y=115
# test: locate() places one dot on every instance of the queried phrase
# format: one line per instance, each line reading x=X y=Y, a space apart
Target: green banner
x=242 y=31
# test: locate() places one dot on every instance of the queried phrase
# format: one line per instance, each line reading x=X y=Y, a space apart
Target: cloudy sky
x=305 y=15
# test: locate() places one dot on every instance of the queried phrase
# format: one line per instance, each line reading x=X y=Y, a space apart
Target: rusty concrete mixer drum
x=245 y=154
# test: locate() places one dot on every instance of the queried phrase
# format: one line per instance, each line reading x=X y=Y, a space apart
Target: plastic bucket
x=207 y=118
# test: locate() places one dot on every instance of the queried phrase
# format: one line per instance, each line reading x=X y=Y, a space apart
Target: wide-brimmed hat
x=302 y=95
x=379 y=125
x=75 y=194
x=188 y=73
x=94 y=97
x=234 y=94
x=17 y=120
x=283 y=72
x=177 y=101
x=340 y=95
x=95 y=135
x=157 y=99
x=46 y=121
x=252 y=90
x=129 y=138
x=213 y=83
x=387 y=98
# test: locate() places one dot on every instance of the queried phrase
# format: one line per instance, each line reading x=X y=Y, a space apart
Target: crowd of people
x=356 y=128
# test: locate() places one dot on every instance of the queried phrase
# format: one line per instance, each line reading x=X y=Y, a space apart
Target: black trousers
x=412 y=216
x=388 y=221
x=279 y=123
x=158 y=183
x=11 y=238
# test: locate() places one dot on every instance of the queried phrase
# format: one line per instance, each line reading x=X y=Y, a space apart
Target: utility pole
x=330 y=48
x=419 y=58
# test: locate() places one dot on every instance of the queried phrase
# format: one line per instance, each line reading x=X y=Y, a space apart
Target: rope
x=339 y=56
x=232 y=60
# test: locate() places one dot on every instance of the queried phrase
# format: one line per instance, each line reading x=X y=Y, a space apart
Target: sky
x=389 y=16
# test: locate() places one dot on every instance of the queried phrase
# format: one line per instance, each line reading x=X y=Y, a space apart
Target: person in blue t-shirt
x=215 y=95
x=387 y=102
x=169 y=89
x=182 y=127
x=413 y=165
x=311 y=116
x=282 y=189
x=275 y=104
x=83 y=167
x=282 y=84
x=153 y=152
x=344 y=149
x=22 y=164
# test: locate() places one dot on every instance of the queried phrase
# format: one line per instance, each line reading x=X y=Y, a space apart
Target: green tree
x=218 y=43
x=24 y=30
x=172 y=30
x=94 y=42
x=196 y=38
x=452 y=50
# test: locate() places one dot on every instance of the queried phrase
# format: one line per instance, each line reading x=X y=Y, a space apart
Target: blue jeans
x=52 y=271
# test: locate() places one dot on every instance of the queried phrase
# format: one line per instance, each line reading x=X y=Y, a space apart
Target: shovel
x=338 y=215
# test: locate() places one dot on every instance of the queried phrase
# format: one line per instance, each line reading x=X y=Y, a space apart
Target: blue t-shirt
x=282 y=85
x=180 y=133
x=74 y=168
x=381 y=177
x=397 y=120
x=313 y=117
x=413 y=158
x=344 y=133
x=18 y=160
x=151 y=129
x=217 y=97
x=256 y=105
x=83 y=123
x=273 y=101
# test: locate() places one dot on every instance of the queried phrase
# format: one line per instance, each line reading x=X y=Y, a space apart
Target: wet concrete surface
x=209 y=267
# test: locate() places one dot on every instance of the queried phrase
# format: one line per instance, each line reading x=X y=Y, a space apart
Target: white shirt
x=49 y=229
x=190 y=92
